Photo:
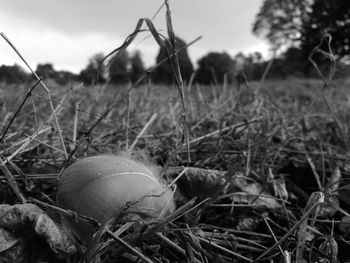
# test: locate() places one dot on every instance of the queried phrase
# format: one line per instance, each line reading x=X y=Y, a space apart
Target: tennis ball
x=105 y=186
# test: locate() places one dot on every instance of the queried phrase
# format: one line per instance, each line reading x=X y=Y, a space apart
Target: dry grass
x=261 y=173
x=283 y=143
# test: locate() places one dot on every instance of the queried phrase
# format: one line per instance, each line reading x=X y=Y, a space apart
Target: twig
x=142 y=132
x=12 y=182
x=25 y=143
x=149 y=70
x=231 y=253
x=129 y=247
x=235 y=126
x=273 y=235
x=173 y=245
x=174 y=61
x=214 y=110
x=68 y=213
x=127 y=121
x=75 y=124
x=289 y=233
x=29 y=93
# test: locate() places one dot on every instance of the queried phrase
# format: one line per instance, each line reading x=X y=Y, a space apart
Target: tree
x=256 y=57
x=46 y=71
x=94 y=71
x=294 y=62
x=13 y=74
x=164 y=72
x=331 y=17
x=118 y=68
x=281 y=22
x=303 y=23
x=213 y=67
x=64 y=77
x=248 y=67
x=137 y=68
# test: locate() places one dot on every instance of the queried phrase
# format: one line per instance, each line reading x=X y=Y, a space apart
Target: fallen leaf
x=24 y=216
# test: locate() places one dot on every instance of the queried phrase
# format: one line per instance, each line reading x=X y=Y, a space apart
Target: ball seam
x=132 y=172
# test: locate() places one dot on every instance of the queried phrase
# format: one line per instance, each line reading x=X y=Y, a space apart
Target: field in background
x=208 y=108
x=281 y=135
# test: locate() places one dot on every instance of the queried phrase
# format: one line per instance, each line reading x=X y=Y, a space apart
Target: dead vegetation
x=261 y=172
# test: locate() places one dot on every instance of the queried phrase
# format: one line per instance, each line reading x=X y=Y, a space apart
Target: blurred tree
x=332 y=17
x=303 y=23
x=136 y=67
x=94 y=71
x=164 y=73
x=65 y=77
x=13 y=74
x=240 y=60
x=119 y=68
x=294 y=62
x=256 y=57
x=213 y=67
x=281 y=22
x=248 y=67
x=46 y=71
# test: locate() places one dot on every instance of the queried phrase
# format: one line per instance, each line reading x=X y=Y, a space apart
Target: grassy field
x=259 y=161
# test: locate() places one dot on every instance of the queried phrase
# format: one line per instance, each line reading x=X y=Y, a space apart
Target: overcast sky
x=68 y=32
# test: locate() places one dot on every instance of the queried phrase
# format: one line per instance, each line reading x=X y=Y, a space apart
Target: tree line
x=297 y=29
x=126 y=67
x=293 y=29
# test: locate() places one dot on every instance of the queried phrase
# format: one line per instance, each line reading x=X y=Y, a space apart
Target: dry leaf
x=197 y=182
x=30 y=216
x=204 y=183
x=257 y=195
x=11 y=247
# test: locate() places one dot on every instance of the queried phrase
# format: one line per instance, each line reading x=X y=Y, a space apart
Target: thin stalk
x=18 y=110
x=46 y=89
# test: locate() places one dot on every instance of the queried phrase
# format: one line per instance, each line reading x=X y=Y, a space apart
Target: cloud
x=65 y=52
x=79 y=16
x=67 y=33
